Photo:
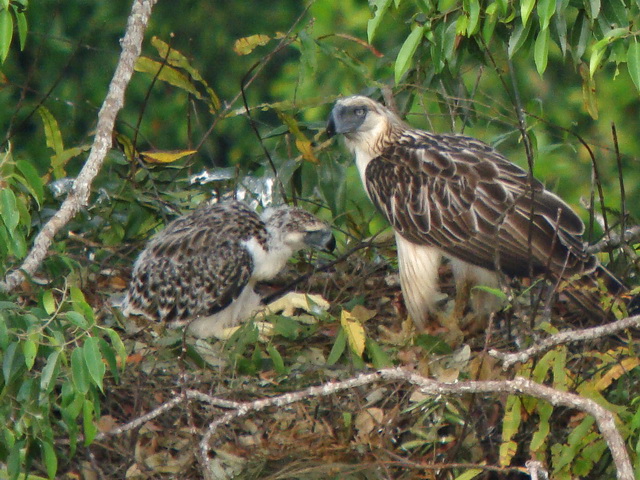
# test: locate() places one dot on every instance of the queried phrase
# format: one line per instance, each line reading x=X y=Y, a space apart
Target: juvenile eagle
x=201 y=269
x=453 y=195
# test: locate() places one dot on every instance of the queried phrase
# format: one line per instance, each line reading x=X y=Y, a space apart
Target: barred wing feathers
x=461 y=195
x=178 y=278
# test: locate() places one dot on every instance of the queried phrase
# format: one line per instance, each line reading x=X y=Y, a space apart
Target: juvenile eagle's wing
x=178 y=278
x=461 y=195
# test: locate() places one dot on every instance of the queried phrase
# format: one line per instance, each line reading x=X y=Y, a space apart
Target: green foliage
x=578 y=452
x=54 y=358
x=12 y=11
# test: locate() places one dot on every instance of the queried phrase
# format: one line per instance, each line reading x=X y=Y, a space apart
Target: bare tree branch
x=614 y=240
x=509 y=359
x=520 y=386
x=113 y=102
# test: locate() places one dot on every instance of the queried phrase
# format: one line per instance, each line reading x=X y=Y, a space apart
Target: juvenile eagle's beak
x=321 y=239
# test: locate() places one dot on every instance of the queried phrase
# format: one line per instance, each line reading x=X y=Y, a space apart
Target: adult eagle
x=453 y=195
x=201 y=269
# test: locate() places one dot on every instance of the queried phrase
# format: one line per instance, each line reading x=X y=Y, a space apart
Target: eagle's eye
x=360 y=111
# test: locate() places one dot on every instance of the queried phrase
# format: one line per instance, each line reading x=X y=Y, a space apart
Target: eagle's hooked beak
x=331 y=124
x=321 y=239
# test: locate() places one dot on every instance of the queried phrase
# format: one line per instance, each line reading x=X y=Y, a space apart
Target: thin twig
x=613 y=241
x=79 y=195
x=510 y=359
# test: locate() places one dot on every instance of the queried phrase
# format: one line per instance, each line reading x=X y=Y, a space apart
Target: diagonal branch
x=508 y=359
x=113 y=102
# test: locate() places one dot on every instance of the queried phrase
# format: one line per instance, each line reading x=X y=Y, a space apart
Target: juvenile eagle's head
x=362 y=121
x=298 y=229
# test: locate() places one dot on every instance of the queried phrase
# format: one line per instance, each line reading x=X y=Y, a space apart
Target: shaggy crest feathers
x=201 y=269
x=459 y=197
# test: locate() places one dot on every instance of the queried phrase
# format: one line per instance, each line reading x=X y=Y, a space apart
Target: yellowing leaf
x=165 y=156
x=167 y=74
x=355 y=332
x=616 y=372
x=303 y=144
x=176 y=59
x=246 y=45
x=304 y=147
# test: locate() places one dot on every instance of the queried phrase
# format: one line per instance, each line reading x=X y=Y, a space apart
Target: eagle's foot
x=286 y=305
x=292 y=301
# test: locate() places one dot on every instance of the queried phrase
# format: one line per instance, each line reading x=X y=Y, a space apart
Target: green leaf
x=90 y=428
x=276 y=358
x=338 y=348
x=9 y=209
x=6 y=33
x=48 y=302
x=32 y=179
x=594 y=9
x=469 y=474
x=378 y=356
x=510 y=426
x=21 y=20
x=490 y=21
x=52 y=134
x=595 y=60
x=496 y=292
x=408 y=49
x=633 y=62
x=518 y=38
x=380 y=7
x=526 y=7
x=93 y=359
x=79 y=371
x=560 y=23
x=29 y=350
x=541 y=51
x=546 y=9
x=474 y=17
x=109 y=355
x=540 y=436
x=50 y=458
x=432 y=344
x=11 y=362
x=119 y=347
x=77 y=319
x=589 y=92
x=49 y=372
x=60 y=160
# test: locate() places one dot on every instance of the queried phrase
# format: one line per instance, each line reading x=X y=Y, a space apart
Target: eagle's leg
x=473 y=306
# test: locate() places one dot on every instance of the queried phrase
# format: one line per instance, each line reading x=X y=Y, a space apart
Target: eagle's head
x=297 y=229
x=362 y=121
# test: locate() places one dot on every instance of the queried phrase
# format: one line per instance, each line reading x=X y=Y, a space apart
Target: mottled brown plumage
x=455 y=195
x=201 y=269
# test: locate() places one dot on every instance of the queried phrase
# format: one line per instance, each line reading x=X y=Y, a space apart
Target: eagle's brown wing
x=461 y=195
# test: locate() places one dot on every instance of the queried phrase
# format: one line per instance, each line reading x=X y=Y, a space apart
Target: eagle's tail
x=600 y=295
